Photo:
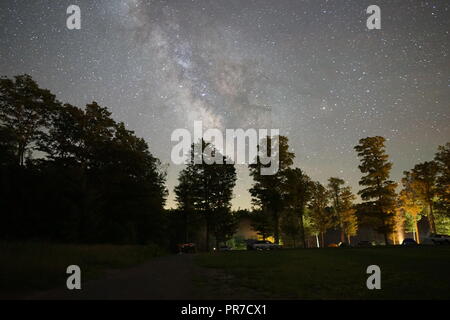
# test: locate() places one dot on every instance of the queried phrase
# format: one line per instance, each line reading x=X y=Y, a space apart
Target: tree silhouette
x=442 y=160
x=262 y=223
x=267 y=190
x=378 y=192
x=348 y=214
x=335 y=187
x=342 y=205
x=185 y=199
x=425 y=177
x=224 y=226
x=411 y=200
x=297 y=189
x=207 y=187
x=321 y=217
x=290 y=226
x=93 y=181
x=24 y=111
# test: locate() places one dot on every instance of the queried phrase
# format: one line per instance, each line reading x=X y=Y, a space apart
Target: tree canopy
x=72 y=174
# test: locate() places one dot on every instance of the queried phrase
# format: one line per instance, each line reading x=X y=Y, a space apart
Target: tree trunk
x=21 y=154
x=431 y=218
x=82 y=224
x=323 y=240
x=385 y=229
x=276 y=231
x=302 y=228
x=386 y=238
x=207 y=235
x=417 y=230
x=186 y=224
x=348 y=239
x=385 y=233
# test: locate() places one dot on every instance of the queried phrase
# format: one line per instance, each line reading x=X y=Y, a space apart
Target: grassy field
x=37 y=266
x=337 y=273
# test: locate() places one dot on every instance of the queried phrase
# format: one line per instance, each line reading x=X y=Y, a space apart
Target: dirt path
x=174 y=277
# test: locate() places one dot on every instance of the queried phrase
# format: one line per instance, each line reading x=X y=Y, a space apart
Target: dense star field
x=309 y=68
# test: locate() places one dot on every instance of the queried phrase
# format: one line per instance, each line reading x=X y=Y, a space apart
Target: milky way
x=310 y=68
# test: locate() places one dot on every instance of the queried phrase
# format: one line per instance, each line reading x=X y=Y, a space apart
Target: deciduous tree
x=297 y=194
x=348 y=214
x=321 y=217
x=442 y=159
x=411 y=202
x=425 y=177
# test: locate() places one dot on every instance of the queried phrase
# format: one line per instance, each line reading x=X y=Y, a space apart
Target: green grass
x=337 y=273
x=37 y=266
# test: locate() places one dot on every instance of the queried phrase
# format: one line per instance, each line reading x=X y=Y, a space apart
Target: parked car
x=186 y=248
x=409 y=242
x=343 y=245
x=440 y=239
x=364 y=243
x=265 y=245
x=250 y=243
x=223 y=248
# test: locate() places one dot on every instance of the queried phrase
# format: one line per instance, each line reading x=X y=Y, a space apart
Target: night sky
x=309 y=68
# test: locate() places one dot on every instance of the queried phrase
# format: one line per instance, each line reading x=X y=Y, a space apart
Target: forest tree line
x=71 y=174
x=74 y=175
x=289 y=206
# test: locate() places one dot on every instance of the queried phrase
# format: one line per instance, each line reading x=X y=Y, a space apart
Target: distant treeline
x=75 y=175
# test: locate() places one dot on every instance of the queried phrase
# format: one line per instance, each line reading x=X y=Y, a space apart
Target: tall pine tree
x=378 y=191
